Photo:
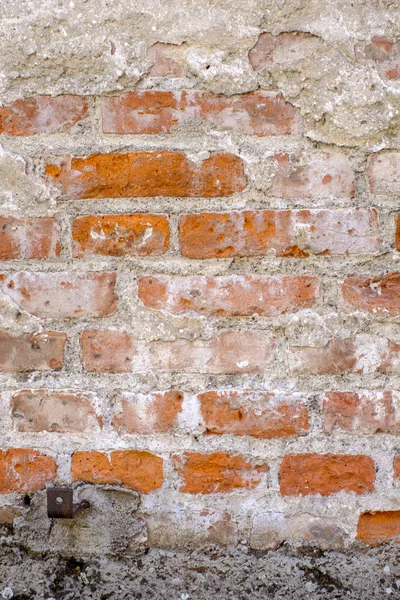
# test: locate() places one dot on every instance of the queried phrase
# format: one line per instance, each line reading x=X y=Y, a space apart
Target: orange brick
x=25 y=470
x=326 y=474
x=62 y=295
x=146 y=174
x=147 y=413
x=380 y=527
x=29 y=238
x=228 y=352
x=367 y=412
x=255 y=113
x=32 y=352
x=258 y=414
x=54 y=410
x=133 y=469
x=284 y=232
x=42 y=114
x=236 y=295
x=217 y=472
x=121 y=235
x=379 y=294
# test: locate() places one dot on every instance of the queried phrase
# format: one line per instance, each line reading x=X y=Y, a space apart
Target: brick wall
x=200 y=302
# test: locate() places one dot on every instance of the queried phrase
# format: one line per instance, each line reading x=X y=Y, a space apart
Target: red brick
x=133 y=469
x=29 y=238
x=258 y=414
x=217 y=472
x=32 y=352
x=236 y=295
x=326 y=474
x=120 y=235
x=288 y=50
x=380 y=294
x=380 y=527
x=255 y=113
x=384 y=173
x=54 y=410
x=338 y=356
x=383 y=53
x=228 y=352
x=25 y=470
x=42 y=114
x=285 y=233
x=146 y=174
x=147 y=413
x=165 y=62
x=320 y=175
x=366 y=412
x=62 y=295
x=107 y=350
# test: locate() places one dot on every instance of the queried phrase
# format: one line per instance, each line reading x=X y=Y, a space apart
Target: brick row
x=263 y=415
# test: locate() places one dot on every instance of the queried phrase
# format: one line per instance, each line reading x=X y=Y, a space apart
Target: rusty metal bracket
x=60 y=503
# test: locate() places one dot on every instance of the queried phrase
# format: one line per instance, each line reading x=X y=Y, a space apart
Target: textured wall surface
x=200 y=280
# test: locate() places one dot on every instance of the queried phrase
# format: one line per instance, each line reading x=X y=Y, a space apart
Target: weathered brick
x=133 y=469
x=383 y=53
x=366 y=412
x=146 y=174
x=377 y=294
x=270 y=529
x=384 y=173
x=236 y=295
x=190 y=527
x=42 y=114
x=379 y=527
x=258 y=414
x=286 y=49
x=120 y=235
x=29 y=238
x=217 y=472
x=164 y=61
x=326 y=474
x=389 y=358
x=338 y=356
x=296 y=233
x=54 y=410
x=255 y=113
x=147 y=413
x=25 y=470
x=62 y=295
x=107 y=350
x=320 y=175
x=228 y=352
x=396 y=471
x=32 y=352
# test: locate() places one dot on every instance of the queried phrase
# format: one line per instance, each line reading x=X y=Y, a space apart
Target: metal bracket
x=60 y=503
